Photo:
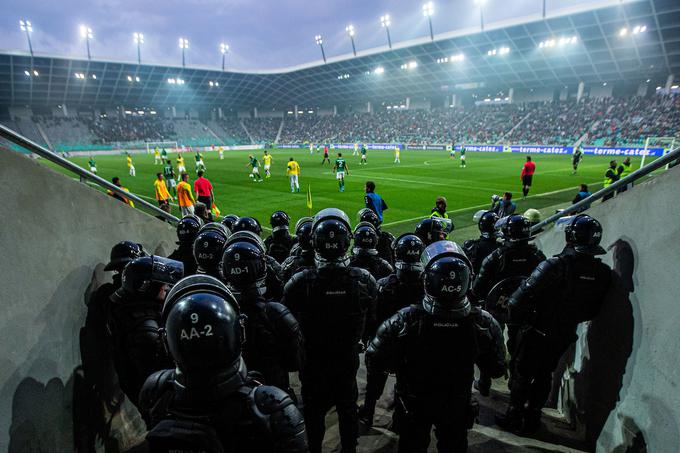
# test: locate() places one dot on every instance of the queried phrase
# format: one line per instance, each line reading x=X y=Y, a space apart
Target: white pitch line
x=430 y=183
x=480 y=206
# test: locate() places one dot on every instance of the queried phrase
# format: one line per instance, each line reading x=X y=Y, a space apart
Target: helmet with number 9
x=407 y=250
x=244 y=266
x=331 y=234
x=448 y=277
x=208 y=247
x=248 y=224
x=365 y=236
x=367 y=215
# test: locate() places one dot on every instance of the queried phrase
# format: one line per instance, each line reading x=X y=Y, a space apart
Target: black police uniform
x=434 y=357
x=478 y=249
x=562 y=292
x=187 y=229
x=370 y=261
x=384 y=247
x=185 y=254
x=295 y=263
x=208 y=402
x=279 y=244
x=133 y=320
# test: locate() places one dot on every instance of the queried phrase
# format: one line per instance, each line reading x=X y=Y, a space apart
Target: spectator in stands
x=204 y=191
x=162 y=195
x=373 y=201
x=582 y=194
x=116 y=182
x=184 y=196
x=503 y=206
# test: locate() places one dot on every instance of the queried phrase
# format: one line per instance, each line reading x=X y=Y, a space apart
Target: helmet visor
x=562 y=223
x=478 y=215
x=165 y=270
x=438 y=249
x=332 y=213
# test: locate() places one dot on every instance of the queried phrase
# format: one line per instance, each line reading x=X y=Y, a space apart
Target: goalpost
x=667 y=143
x=170 y=146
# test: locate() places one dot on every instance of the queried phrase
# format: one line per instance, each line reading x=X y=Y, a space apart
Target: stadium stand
x=263 y=130
x=230 y=131
x=193 y=132
x=67 y=131
x=131 y=129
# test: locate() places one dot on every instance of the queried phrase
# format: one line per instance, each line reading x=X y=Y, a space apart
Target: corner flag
x=309 y=197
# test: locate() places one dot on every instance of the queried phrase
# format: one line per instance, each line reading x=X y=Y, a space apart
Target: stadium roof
x=600 y=53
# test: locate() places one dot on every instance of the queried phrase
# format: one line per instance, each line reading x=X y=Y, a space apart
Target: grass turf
x=409 y=188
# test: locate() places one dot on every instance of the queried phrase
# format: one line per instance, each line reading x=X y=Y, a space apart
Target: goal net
x=170 y=146
x=667 y=143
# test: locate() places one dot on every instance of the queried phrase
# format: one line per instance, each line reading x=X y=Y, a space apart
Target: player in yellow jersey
x=157 y=156
x=180 y=164
x=220 y=151
x=131 y=166
x=293 y=171
x=267 y=160
x=397 y=154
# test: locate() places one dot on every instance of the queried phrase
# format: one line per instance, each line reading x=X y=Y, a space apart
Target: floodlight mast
x=139 y=40
x=350 y=31
x=183 y=44
x=224 y=48
x=27 y=28
x=319 y=41
x=385 y=22
x=86 y=32
x=481 y=3
x=428 y=11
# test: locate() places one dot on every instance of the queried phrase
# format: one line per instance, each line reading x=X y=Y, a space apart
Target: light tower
x=385 y=23
x=184 y=45
x=27 y=28
x=139 y=40
x=428 y=11
x=86 y=32
x=350 y=31
x=481 y=3
x=224 y=48
x=319 y=41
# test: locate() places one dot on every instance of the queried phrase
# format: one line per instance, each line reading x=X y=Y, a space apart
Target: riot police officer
x=134 y=319
x=505 y=267
x=433 y=347
x=364 y=254
x=229 y=220
x=208 y=402
x=302 y=253
x=247 y=224
x=433 y=229
x=208 y=248
x=280 y=242
x=385 y=238
x=562 y=292
x=331 y=302
x=396 y=291
x=98 y=364
x=274 y=345
x=187 y=230
x=478 y=249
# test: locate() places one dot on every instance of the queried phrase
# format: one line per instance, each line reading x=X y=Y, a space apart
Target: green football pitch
x=409 y=188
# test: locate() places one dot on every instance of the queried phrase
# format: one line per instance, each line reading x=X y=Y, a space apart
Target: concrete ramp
x=56 y=235
x=620 y=385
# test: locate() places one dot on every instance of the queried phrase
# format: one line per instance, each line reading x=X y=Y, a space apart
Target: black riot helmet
x=203 y=327
x=229 y=220
x=407 y=250
x=208 y=247
x=583 y=233
x=303 y=231
x=187 y=228
x=365 y=236
x=368 y=215
x=248 y=224
x=244 y=266
x=122 y=253
x=144 y=276
x=448 y=277
x=331 y=234
x=432 y=229
x=486 y=221
x=279 y=220
x=514 y=228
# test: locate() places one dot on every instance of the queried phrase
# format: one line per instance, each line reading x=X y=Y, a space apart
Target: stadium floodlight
x=79 y=75
x=350 y=31
x=224 y=48
x=428 y=11
x=36 y=73
x=639 y=29
x=184 y=45
x=481 y=3
x=319 y=42
x=385 y=22
x=410 y=65
x=458 y=57
x=27 y=28
x=623 y=31
x=379 y=70
x=94 y=76
x=28 y=74
x=139 y=40
x=86 y=33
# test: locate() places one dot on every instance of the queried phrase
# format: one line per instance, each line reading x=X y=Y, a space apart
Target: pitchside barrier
x=524 y=149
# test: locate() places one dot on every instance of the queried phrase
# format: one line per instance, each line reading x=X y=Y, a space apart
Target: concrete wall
x=620 y=384
x=56 y=235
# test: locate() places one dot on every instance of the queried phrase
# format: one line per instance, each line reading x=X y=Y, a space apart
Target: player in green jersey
x=341 y=169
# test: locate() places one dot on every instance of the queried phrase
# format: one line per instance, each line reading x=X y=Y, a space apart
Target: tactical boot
x=483 y=385
x=366 y=415
x=512 y=421
x=532 y=421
